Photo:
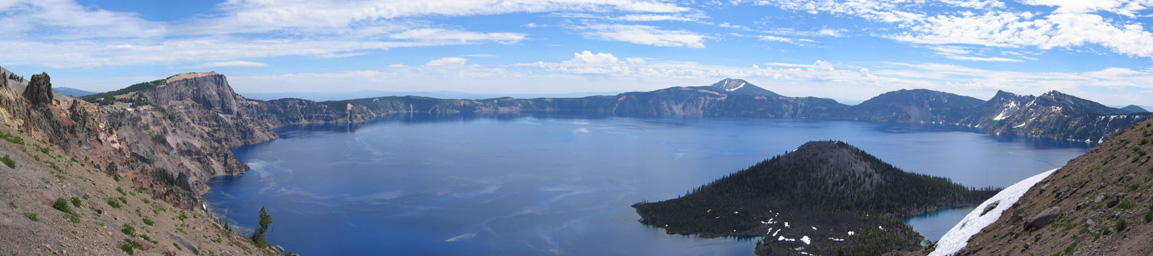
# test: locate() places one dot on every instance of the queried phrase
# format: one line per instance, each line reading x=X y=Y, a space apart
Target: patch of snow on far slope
x=959 y=235
x=1002 y=116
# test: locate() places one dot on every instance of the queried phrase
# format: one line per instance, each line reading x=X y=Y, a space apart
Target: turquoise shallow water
x=421 y=185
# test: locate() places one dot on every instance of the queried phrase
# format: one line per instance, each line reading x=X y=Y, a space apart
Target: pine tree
x=258 y=235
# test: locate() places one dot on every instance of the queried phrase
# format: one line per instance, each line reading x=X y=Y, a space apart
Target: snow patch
x=806 y=240
x=851 y=233
x=1004 y=114
x=786 y=224
x=959 y=235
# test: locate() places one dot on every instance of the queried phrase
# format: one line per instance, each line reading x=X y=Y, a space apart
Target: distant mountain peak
x=731 y=84
x=741 y=87
x=1134 y=109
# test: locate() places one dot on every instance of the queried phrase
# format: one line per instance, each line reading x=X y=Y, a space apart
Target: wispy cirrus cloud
x=235 y=63
x=65 y=34
x=643 y=34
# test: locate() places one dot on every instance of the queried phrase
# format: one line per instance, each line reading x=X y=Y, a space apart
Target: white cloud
x=296 y=15
x=446 y=35
x=643 y=34
x=235 y=63
x=65 y=34
x=966 y=54
x=991 y=23
x=447 y=61
x=68 y=20
x=983 y=59
x=785 y=39
x=594 y=58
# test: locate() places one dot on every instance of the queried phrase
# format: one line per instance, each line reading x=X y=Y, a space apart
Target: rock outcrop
x=1043 y=219
x=39 y=90
x=210 y=90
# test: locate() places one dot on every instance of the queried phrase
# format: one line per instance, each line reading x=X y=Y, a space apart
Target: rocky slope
x=1062 y=116
x=59 y=196
x=1100 y=203
x=824 y=198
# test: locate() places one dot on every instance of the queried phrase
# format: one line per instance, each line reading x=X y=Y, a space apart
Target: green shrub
x=112 y=202
x=121 y=190
x=62 y=205
x=148 y=222
x=31 y=216
x=12 y=139
x=1126 y=204
x=128 y=230
x=1148 y=216
x=1121 y=225
x=76 y=202
x=8 y=161
x=128 y=247
x=74 y=218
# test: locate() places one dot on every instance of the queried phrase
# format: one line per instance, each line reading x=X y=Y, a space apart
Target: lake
x=513 y=185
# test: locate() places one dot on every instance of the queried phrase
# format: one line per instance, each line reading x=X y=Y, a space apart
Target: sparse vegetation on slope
x=1103 y=200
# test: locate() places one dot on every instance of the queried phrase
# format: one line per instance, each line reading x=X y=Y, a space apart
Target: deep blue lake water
x=524 y=185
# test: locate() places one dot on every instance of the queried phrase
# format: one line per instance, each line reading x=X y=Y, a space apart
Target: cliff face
x=1100 y=203
x=209 y=90
x=71 y=187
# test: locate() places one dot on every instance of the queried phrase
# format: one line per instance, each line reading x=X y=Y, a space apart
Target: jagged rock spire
x=39 y=90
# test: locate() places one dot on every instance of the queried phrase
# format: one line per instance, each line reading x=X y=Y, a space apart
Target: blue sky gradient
x=846 y=50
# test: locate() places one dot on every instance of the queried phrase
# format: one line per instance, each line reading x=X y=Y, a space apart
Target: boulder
x=39 y=90
x=184 y=242
x=990 y=207
x=144 y=245
x=1043 y=219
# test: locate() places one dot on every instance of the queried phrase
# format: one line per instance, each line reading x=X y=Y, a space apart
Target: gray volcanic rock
x=39 y=90
x=1043 y=219
x=210 y=90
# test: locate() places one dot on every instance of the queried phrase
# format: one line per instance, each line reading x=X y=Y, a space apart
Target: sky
x=848 y=50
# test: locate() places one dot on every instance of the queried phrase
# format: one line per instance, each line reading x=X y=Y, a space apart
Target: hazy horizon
x=849 y=51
